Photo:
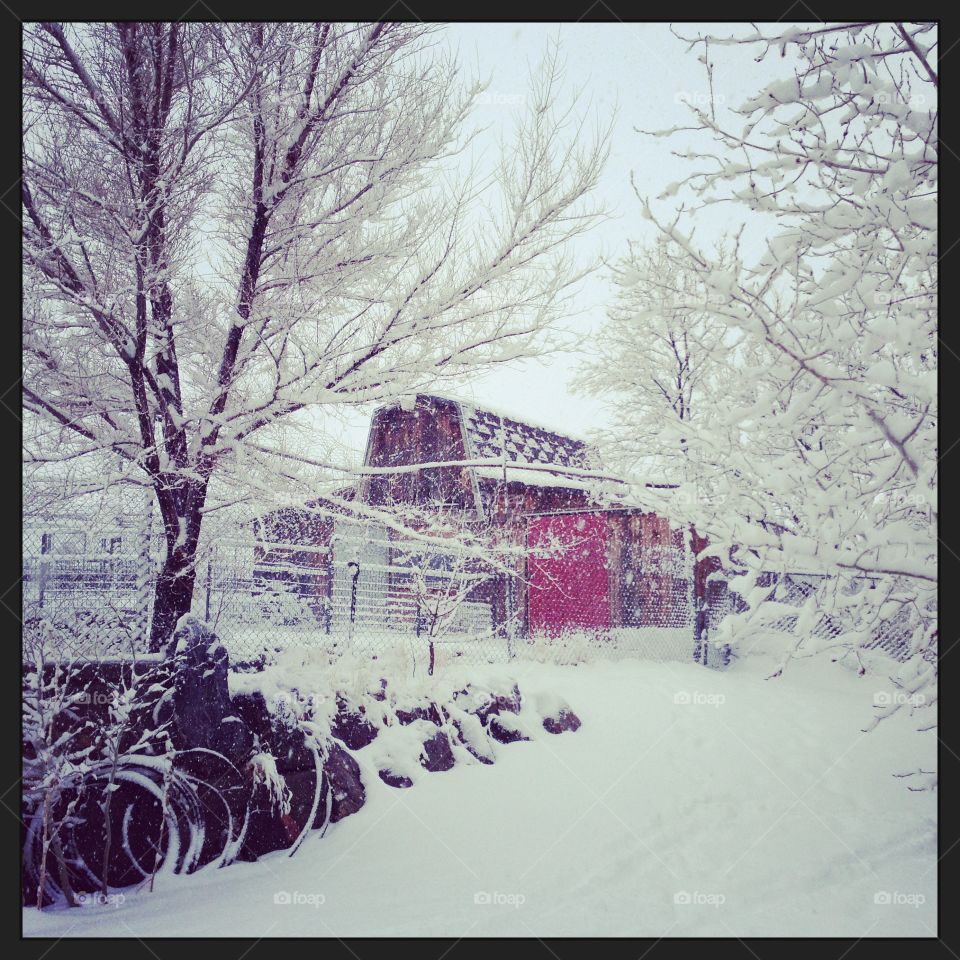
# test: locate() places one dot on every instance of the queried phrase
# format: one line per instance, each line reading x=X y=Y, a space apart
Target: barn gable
x=426 y=431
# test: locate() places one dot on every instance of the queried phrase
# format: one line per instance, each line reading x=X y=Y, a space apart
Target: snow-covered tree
x=228 y=225
x=656 y=358
x=822 y=433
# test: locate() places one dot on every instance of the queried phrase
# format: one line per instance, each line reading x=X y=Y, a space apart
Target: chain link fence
x=90 y=566
x=88 y=570
x=270 y=582
x=881 y=623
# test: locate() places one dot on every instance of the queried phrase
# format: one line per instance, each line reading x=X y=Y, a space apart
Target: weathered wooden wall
x=429 y=433
x=646 y=589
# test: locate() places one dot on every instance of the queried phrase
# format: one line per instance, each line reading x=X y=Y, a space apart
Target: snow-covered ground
x=690 y=802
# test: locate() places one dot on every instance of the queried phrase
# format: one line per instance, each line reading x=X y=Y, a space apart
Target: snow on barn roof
x=495 y=436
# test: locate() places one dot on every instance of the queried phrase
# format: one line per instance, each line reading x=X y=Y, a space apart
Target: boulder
x=352 y=726
x=474 y=737
x=272 y=828
x=437 y=754
x=252 y=709
x=421 y=711
x=392 y=779
x=504 y=731
x=277 y=733
x=566 y=719
x=342 y=774
x=202 y=710
x=484 y=704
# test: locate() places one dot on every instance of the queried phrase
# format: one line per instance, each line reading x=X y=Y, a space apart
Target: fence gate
x=361 y=566
x=610 y=583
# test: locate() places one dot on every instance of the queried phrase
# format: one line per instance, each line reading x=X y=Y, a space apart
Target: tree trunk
x=172 y=597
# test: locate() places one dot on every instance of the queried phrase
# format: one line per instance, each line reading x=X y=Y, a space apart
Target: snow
x=690 y=802
x=548 y=477
x=265 y=771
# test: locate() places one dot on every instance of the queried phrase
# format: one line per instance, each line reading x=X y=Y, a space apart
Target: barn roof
x=495 y=436
x=496 y=447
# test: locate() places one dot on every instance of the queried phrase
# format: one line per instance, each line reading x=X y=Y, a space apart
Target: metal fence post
x=45 y=539
x=144 y=568
x=353 y=596
x=206 y=612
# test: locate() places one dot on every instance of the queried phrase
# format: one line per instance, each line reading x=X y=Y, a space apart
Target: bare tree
x=656 y=361
x=226 y=226
x=442 y=580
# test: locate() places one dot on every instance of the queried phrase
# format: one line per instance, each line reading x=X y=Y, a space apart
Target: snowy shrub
x=108 y=801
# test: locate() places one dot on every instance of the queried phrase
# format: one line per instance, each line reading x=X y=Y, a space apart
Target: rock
x=474 y=737
x=270 y=828
x=203 y=714
x=252 y=709
x=342 y=774
x=352 y=727
x=437 y=754
x=276 y=733
x=425 y=711
x=489 y=704
x=503 y=731
x=565 y=720
x=392 y=779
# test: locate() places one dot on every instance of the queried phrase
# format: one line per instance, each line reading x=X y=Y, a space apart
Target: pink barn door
x=567 y=570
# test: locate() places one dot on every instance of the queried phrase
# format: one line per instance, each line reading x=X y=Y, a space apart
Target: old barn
x=585 y=560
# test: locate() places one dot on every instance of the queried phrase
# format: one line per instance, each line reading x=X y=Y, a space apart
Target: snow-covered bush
x=109 y=800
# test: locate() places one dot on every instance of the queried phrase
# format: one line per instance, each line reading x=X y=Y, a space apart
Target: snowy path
x=756 y=809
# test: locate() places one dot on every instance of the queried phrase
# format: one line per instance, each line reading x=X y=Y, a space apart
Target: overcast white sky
x=641 y=73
